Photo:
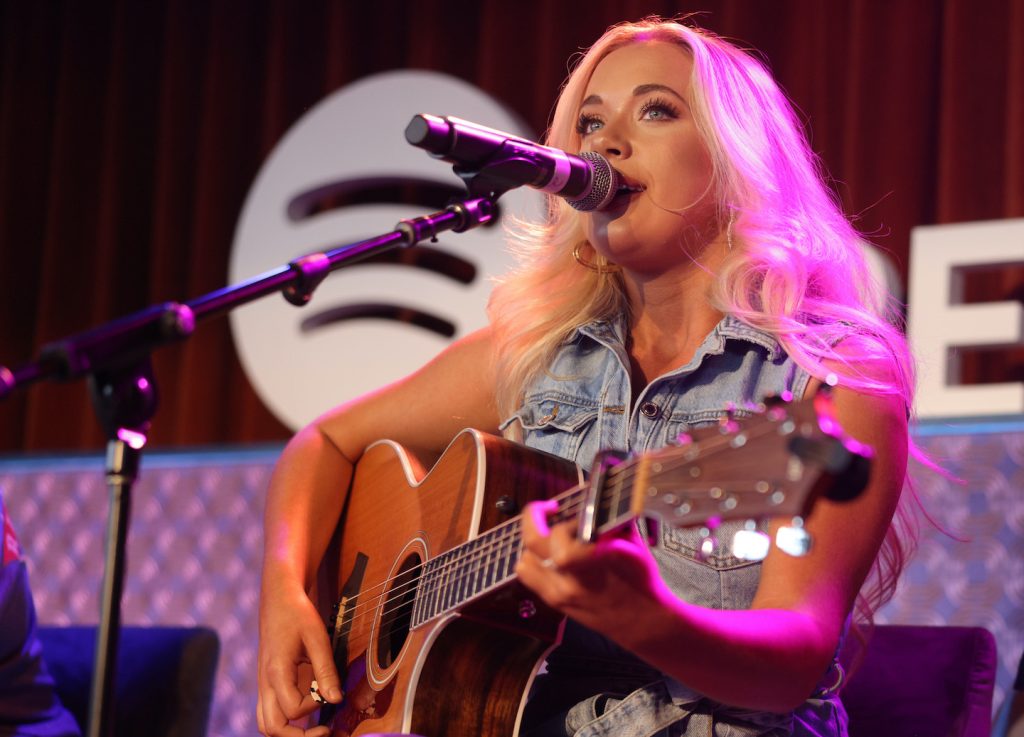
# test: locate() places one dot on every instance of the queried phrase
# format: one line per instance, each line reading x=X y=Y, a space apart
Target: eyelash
x=662 y=104
x=657 y=103
x=584 y=122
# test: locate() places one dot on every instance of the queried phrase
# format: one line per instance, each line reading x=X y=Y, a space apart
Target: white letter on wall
x=938 y=324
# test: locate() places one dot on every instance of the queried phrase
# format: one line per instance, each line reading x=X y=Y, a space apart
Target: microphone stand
x=116 y=358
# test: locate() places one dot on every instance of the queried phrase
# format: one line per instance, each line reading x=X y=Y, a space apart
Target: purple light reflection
x=135 y=440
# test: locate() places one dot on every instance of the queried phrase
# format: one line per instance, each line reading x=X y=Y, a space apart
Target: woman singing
x=722 y=272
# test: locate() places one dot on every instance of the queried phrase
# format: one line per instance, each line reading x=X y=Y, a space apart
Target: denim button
x=650 y=410
x=548 y=418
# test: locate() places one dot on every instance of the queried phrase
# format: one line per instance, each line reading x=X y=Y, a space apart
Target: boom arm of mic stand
x=131 y=338
x=116 y=358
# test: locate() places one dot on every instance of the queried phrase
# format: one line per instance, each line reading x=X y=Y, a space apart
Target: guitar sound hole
x=397 y=613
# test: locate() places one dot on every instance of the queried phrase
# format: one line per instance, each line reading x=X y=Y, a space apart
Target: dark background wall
x=130 y=133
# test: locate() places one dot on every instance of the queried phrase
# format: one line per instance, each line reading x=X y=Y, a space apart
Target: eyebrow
x=638 y=91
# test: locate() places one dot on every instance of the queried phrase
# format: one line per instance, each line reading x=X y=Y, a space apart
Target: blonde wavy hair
x=796 y=269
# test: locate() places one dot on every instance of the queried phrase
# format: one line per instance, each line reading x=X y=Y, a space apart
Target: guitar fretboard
x=669 y=483
x=484 y=563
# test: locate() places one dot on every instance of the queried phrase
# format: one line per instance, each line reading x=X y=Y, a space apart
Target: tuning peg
x=683 y=438
x=776 y=406
x=778 y=400
x=727 y=423
x=708 y=542
x=793 y=539
x=754 y=408
x=750 y=544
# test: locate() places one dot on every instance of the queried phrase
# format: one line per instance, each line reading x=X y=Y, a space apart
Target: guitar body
x=464 y=673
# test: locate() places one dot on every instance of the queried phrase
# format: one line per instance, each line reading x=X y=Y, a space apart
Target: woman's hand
x=771 y=656
x=602 y=585
x=294 y=649
x=305 y=501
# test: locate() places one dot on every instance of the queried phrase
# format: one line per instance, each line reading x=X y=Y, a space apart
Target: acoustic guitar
x=432 y=634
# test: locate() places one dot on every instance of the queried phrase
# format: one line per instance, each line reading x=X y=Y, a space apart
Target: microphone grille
x=603 y=185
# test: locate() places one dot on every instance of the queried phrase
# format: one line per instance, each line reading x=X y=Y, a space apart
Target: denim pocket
x=712 y=578
x=714 y=550
x=554 y=422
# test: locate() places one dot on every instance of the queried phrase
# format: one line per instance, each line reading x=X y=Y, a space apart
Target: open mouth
x=626 y=191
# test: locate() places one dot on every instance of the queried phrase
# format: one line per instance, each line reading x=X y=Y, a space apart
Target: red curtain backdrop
x=130 y=133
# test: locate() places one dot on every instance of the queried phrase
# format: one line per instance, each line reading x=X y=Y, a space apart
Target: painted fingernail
x=314 y=692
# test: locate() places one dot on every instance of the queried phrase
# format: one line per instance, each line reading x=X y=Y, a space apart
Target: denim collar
x=612 y=333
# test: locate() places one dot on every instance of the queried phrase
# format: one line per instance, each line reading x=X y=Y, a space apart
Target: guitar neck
x=769 y=465
x=481 y=565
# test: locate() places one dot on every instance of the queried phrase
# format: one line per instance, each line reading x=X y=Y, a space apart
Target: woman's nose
x=611 y=141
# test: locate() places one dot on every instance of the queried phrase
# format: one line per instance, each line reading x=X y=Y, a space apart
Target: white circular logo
x=367 y=324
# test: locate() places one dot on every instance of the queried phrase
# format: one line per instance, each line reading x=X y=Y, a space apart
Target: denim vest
x=582 y=405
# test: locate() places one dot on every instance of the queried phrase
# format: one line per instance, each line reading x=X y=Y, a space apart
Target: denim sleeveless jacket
x=582 y=405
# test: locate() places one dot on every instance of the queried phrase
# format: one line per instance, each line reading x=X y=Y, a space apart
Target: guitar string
x=513 y=541
x=463 y=562
x=494 y=539
x=465 y=567
x=498 y=537
x=467 y=556
x=624 y=475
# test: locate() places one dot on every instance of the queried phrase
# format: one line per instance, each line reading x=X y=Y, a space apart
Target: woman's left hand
x=603 y=585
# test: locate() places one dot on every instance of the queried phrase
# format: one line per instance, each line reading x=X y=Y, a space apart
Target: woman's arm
x=304 y=502
x=771 y=656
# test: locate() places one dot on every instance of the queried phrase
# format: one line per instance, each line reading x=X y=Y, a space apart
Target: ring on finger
x=548 y=563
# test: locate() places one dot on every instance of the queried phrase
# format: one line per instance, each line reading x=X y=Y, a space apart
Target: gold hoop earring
x=596 y=268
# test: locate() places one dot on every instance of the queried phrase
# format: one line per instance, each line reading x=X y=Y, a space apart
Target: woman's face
x=636 y=113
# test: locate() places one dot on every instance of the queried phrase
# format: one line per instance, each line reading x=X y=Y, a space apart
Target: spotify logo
x=344 y=173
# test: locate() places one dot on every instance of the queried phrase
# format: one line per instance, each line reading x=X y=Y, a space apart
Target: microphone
x=492 y=161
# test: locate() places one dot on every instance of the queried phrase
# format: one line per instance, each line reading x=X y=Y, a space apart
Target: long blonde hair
x=797 y=270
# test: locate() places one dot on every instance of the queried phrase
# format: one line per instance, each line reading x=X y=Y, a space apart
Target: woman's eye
x=658 y=110
x=588 y=124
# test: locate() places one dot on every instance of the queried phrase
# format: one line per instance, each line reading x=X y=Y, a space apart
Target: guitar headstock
x=774 y=460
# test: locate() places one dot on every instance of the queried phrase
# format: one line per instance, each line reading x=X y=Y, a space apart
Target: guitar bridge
x=341 y=626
